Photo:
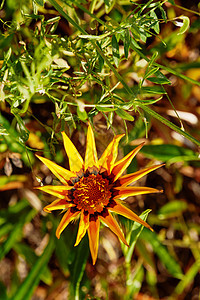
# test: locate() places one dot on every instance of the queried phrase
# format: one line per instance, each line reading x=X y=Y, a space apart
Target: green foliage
x=33 y=72
x=62 y=64
x=26 y=290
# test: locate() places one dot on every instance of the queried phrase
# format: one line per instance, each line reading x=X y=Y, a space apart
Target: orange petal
x=110 y=154
x=93 y=235
x=75 y=160
x=57 y=204
x=62 y=174
x=83 y=226
x=59 y=191
x=91 y=152
x=113 y=225
x=126 y=212
x=67 y=218
x=129 y=178
x=122 y=164
x=133 y=191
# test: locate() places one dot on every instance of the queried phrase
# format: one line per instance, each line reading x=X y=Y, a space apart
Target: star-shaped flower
x=93 y=188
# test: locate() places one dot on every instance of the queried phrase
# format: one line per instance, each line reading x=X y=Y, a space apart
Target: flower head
x=92 y=189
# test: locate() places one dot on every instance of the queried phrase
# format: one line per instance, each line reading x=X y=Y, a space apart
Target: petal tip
x=57 y=234
x=46 y=210
x=94 y=262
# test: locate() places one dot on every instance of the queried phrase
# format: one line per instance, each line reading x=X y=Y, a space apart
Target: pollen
x=92 y=193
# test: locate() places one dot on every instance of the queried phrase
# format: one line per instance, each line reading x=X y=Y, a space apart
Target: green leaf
x=105 y=108
x=185 y=25
x=31 y=259
x=115 y=50
x=5 y=42
x=16 y=233
x=172 y=2
x=152 y=59
x=5 y=229
x=134 y=283
x=168 y=69
x=163 y=12
x=147 y=255
x=149 y=101
x=62 y=253
x=78 y=265
x=151 y=72
x=100 y=58
x=156 y=26
x=172 y=209
x=187 y=279
x=90 y=36
x=124 y=115
x=27 y=288
x=168 y=261
x=143 y=35
x=13 y=140
x=3 y=292
x=133 y=43
x=168 y=152
x=127 y=40
x=145 y=90
x=135 y=31
x=40 y=2
x=159 y=79
x=169 y=124
x=132 y=236
x=82 y=113
x=109 y=5
x=24 y=132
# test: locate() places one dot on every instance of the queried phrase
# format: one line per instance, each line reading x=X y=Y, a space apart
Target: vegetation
x=124 y=67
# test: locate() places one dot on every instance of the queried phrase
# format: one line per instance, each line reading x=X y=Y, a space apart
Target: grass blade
x=26 y=290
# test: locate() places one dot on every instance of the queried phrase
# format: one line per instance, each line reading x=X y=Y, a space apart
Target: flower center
x=92 y=193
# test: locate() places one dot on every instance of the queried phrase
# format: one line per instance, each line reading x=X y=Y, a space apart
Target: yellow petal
x=109 y=156
x=75 y=160
x=93 y=235
x=122 y=164
x=83 y=226
x=129 y=178
x=60 y=191
x=62 y=174
x=91 y=152
x=113 y=225
x=133 y=191
x=69 y=216
x=126 y=212
x=57 y=204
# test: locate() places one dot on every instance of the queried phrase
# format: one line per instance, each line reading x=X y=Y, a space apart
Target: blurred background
x=63 y=64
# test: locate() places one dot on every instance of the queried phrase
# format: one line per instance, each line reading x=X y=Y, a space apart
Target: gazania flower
x=93 y=188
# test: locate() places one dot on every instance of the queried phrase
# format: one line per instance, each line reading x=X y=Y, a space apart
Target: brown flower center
x=92 y=193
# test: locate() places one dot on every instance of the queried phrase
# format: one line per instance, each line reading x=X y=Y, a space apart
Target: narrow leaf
x=168 y=261
x=159 y=79
x=124 y=115
x=115 y=50
x=184 y=26
x=26 y=289
x=126 y=43
x=169 y=124
x=40 y=2
x=132 y=237
x=78 y=265
x=173 y=208
x=156 y=26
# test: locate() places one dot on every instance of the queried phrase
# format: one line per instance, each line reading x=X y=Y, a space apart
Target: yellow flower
x=92 y=189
